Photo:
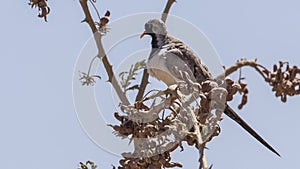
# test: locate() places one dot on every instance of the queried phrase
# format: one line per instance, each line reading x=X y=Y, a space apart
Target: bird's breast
x=157 y=67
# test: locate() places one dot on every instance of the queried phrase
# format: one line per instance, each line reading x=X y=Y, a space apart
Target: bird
x=168 y=52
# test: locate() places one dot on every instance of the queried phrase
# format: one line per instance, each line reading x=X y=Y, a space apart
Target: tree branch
x=102 y=54
x=167 y=9
x=143 y=85
x=88 y=18
x=242 y=63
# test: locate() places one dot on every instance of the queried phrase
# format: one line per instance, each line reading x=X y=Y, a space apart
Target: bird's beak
x=142 y=35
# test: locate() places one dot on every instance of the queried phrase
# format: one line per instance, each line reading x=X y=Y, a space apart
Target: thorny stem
x=102 y=54
x=88 y=18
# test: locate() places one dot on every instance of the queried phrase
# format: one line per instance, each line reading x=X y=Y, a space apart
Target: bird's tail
x=234 y=116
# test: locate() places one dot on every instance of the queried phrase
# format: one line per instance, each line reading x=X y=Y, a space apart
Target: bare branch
x=167 y=9
x=88 y=18
x=101 y=52
x=242 y=63
x=143 y=85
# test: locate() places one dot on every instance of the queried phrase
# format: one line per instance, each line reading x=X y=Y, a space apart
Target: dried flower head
x=285 y=80
x=42 y=6
x=87 y=79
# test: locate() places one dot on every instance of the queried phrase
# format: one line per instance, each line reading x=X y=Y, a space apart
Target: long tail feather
x=234 y=116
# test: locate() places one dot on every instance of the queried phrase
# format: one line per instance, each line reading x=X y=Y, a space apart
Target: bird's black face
x=155 y=28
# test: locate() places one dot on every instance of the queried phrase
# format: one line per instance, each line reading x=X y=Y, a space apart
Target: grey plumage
x=168 y=52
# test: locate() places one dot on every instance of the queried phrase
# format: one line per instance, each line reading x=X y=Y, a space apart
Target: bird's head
x=155 y=27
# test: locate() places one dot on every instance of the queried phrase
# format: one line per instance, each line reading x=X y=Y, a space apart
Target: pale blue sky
x=39 y=126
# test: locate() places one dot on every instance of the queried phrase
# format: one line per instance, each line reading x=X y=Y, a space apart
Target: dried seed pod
x=43 y=9
x=275 y=68
x=229 y=81
x=283 y=98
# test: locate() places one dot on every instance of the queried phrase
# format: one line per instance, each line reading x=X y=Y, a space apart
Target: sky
x=39 y=125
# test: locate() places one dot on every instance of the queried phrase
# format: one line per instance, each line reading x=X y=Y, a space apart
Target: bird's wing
x=179 y=55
